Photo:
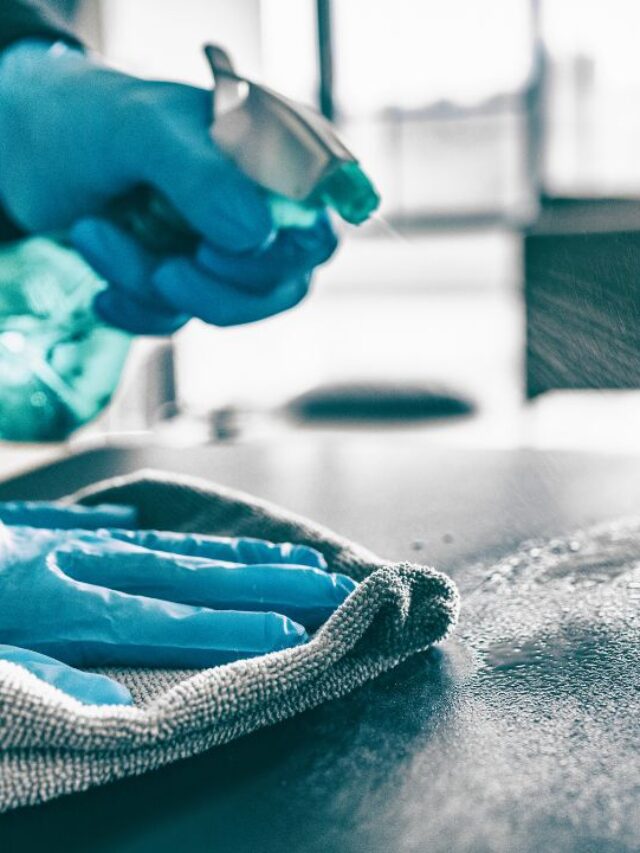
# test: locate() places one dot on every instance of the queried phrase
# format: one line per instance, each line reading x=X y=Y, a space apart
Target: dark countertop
x=519 y=734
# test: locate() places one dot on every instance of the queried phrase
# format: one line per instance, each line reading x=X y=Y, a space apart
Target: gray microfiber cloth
x=52 y=745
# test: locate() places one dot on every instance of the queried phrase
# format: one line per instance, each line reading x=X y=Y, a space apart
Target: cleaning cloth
x=51 y=744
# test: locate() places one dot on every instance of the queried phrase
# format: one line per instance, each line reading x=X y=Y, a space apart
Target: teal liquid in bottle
x=59 y=363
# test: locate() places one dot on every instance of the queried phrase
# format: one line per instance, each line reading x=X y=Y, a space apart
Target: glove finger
x=243 y=550
x=112 y=628
x=190 y=290
x=181 y=159
x=129 y=302
x=295 y=251
x=116 y=256
x=304 y=594
x=118 y=309
x=86 y=687
x=58 y=517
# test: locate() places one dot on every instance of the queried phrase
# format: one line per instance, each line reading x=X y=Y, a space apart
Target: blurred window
x=593 y=97
x=430 y=95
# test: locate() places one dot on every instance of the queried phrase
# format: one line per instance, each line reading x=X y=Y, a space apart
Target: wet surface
x=519 y=734
x=554 y=632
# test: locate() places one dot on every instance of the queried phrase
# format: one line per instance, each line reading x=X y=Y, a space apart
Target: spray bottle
x=59 y=362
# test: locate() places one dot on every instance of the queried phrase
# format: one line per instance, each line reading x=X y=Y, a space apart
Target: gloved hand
x=75 y=135
x=147 y=598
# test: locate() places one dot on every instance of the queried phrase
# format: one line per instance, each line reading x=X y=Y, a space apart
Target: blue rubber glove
x=58 y=516
x=75 y=135
x=148 y=598
x=87 y=687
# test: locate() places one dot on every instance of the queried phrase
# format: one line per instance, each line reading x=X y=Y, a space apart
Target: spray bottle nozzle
x=286 y=147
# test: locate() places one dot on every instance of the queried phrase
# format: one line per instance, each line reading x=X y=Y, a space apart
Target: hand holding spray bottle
x=60 y=362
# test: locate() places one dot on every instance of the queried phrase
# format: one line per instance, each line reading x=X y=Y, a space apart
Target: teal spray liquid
x=59 y=362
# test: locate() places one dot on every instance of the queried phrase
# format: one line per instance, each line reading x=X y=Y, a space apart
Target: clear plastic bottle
x=59 y=363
